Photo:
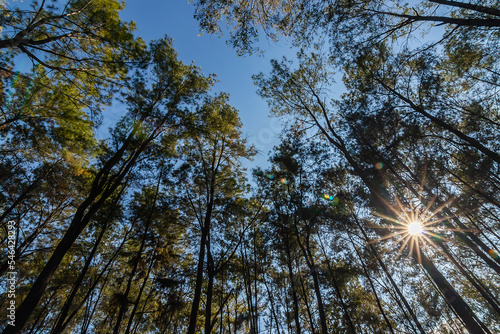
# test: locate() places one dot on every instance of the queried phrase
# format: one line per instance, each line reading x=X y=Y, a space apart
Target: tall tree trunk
x=308 y=308
x=138 y=321
x=317 y=291
x=293 y=287
x=389 y=325
x=94 y=284
x=255 y=279
x=306 y=251
x=273 y=308
x=460 y=307
x=193 y=318
x=139 y=295
x=486 y=295
x=69 y=301
x=247 y=283
x=90 y=309
x=347 y=317
x=389 y=276
x=210 y=287
x=149 y=219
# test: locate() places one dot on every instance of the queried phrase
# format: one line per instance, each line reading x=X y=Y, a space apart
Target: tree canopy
x=378 y=212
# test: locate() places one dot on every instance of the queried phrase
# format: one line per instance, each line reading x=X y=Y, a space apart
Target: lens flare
x=416 y=220
x=415 y=228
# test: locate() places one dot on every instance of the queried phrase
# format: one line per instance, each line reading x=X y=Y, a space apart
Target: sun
x=414 y=221
x=415 y=224
x=415 y=228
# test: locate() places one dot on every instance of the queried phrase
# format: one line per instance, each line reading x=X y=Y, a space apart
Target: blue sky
x=155 y=19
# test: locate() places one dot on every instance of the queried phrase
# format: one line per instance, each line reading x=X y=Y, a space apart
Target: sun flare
x=415 y=228
x=414 y=221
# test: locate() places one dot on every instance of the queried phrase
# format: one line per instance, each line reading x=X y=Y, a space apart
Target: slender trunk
x=287 y=311
x=450 y=294
x=65 y=309
x=317 y=291
x=273 y=309
x=199 y=272
x=248 y=290
x=372 y=286
x=221 y=328
x=255 y=276
x=90 y=309
x=293 y=287
x=138 y=321
x=69 y=301
x=474 y=7
x=389 y=276
x=486 y=295
x=306 y=252
x=125 y=302
x=210 y=287
x=199 y=282
x=306 y=301
x=139 y=295
x=337 y=291
x=94 y=284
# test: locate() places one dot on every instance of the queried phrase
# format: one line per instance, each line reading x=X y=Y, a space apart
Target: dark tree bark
x=69 y=301
x=293 y=283
x=210 y=287
x=347 y=317
x=199 y=272
x=306 y=252
x=124 y=304
x=389 y=276
x=452 y=297
x=273 y=308
x=139 y=295
x=96 y=281
x=484 y=292
x=308 y=307
x=388 y=323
